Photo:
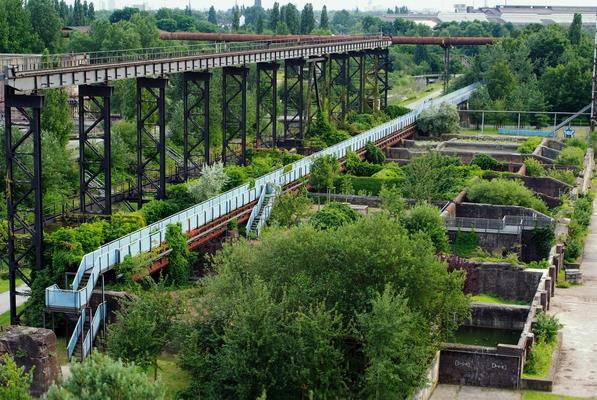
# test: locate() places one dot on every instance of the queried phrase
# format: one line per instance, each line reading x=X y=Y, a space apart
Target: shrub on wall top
x=505 y=192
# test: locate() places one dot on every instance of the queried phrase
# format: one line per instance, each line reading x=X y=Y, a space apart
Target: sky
x=444 y=5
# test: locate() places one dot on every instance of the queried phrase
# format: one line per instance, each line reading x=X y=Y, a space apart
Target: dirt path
x=576 y=307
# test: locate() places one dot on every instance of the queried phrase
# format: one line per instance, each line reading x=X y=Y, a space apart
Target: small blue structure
x=569 y=132
x=525 y=132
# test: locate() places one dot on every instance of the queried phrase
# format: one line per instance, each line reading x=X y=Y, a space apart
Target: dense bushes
x=538 y=362
x=505 y=191
x=355 y=166
x=436 y=120
x=465 y=244
x=324 y=171
x=577 y=229
x=395 y=111
x=534 y=167
x=425 y=219
x=571 y=156
x=333 y=215
x=373 y=154
x=289 y=209
x=368 y=184
x=14 y=381
x=486 y=162
x=529 y=145
x=316 y=313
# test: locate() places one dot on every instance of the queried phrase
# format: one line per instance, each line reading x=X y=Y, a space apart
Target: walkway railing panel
x=104 y=258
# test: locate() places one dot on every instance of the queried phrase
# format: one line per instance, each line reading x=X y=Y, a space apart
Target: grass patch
x=5 y=317
x=493 y=299
x=548 y=396
x=539 y=360
x=4 y=285
x=61 y=343
x=172 y=377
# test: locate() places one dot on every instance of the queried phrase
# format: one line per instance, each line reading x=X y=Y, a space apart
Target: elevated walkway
x=198 y=221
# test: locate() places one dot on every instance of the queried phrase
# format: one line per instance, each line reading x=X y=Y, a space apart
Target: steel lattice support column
x=234 y=114
x=356 y=82
x=151 y=145
x=383 y=62
x=22 y=136
x=267 y=104
x=446 y=67
x=294 y=99
x=338 y=86
x=195 y=92
x=95 y=180
x=594 y=98
x=316 y=89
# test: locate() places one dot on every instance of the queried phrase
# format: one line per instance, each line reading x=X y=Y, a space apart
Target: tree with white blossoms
x=210 y=184
x=440 y=119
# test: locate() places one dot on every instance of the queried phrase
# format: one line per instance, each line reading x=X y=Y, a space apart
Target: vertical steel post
x=338 y=86
x=316 y=78
x=294 y=99
x=151 y=149
x=266 y=112
x=383 y=58
x=95 y=181
x=23 y=189
x=356 y=72
x=234 y=114
x=446 y=67
x=594 y=93
x=195 y=94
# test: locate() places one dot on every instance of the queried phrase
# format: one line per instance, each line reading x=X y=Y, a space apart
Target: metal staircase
x=261 y=211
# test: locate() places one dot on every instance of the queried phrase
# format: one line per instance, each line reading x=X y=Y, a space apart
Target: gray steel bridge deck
x=90 y=68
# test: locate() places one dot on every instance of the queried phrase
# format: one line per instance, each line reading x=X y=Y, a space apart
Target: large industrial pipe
x=242 y=37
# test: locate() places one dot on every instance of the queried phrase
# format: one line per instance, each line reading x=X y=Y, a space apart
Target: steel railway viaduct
x=349 y=73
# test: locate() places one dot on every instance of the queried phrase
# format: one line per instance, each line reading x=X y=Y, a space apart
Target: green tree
x=433 y=176
x=425 y=218
x=14 y=381
x=333 y=215
x=290 y=208
x=292 y=18
x=307 y=19
x=16 y=32
x=179 y=266
x=324 y=171
x=211 y=15
x=100 y=377
x=324 y=23
x=575 y=29
x=392 y=201
x=500 y=80
x=55 y=117
x=389 y=332
x=211 y=183
x=503 y=191
x=143 y=328
x=47 y=23
x=274 y=17
x=567 y=87
x=436 y=120
x=235 y=19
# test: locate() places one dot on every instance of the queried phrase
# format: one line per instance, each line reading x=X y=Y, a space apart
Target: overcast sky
x=446 y=5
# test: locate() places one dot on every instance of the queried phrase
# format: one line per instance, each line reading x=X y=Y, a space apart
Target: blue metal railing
x=151 y=236
x=255 y=210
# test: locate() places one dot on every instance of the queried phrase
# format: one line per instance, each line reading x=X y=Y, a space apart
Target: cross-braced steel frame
x=446 y=67
x=195 y=92
x=338 y=86
x=267 y=104
x=356 y=81
x=151 y=145
x=22 y=135
x=594 y=98
x=95 y=186
x=234 y=114
x=294 y=99
x=316 y=89
x=383 y=62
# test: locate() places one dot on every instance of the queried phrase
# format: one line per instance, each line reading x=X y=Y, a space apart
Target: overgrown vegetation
x=436 y=120
x=333 y=215
x=465 y=243
x=539 y=358
x=505 y=191
x=14 y=381
x=529 y=145
x=578 y=227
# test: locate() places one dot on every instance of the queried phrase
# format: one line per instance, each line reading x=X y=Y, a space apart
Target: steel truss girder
x=356 y=81
x=195 y=92
x=23 y=188
x=317 y=73
x=151 y=149
x=234 y=114
x=375 y=64
x=267 y=104
x=338 y=86
x=293 y=99
x=95 y=186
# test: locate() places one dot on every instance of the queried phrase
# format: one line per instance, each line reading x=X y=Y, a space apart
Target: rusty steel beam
x=243 y=37
x=443 y=40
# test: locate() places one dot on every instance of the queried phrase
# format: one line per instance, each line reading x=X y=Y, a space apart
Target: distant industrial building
x=516 y=15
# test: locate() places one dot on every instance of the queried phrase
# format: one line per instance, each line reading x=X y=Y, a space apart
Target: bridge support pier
x=23 y=189
x=234 y=114
x=94 y=102
x=383 y=63
x=195 y=95
x=446 y=67
x=316 y=96
x=356 y=82
x=338 y=86
x=151 y=148
x=267 y=104
x=294 y=99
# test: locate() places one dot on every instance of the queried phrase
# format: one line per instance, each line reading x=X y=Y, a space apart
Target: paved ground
x=576 y=307
x=452 y=392
x=414 y=104
x=5 y=300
